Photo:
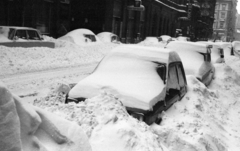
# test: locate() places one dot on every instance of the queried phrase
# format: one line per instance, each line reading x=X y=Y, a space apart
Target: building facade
x=225 y=20
x=131 y=20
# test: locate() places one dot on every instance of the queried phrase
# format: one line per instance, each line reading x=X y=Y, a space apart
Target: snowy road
x=36 y=84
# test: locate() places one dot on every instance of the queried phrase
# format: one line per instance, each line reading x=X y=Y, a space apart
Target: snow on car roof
x=129 y=73
x=187 y=45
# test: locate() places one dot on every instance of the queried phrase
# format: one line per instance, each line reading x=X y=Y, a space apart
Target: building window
x=214 y=25
x=221 y=24
x=216 y=7
x=224 y=7
x=223 y=15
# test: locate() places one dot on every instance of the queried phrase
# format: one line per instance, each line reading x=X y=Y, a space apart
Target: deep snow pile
x=66 y=54
x=105 y=121
x=206 y=119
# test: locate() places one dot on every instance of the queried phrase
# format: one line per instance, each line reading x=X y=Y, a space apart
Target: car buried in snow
x=236 y=48
x=147 y=80
x=12 y=36
x=81 y=37
x=108 y=37
x=217 y=54
x=196 y=58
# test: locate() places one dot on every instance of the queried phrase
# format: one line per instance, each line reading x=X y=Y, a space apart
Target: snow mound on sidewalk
x=21 y=60
x=106 y=122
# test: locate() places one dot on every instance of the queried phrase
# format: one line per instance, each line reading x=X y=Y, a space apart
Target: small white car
x=108 y=37
x=81 y=37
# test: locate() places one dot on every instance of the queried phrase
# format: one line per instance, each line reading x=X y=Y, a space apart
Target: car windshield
x=91 y=37
x=33 y=35
x=11 y=33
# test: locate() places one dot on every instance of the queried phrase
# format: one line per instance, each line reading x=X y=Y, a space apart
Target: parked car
x=236 y=47
x=165 y=38
x=147 y=80
x=153 y=41
x=108 y=37
x=182 y=38
x=227 y=48
x=81 y=37
x=217 y=54
x=12 y=36
x=196 y=58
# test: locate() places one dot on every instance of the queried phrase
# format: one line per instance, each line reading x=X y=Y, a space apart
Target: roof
x=186 y=45
x=157 y=54
x=17 y=27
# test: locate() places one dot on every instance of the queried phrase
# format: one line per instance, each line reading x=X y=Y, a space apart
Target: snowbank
x=106 y=122
x=28 y=128
x=22 y=60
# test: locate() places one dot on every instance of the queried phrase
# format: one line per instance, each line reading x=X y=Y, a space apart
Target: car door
x=181 y=80
x=173 y=87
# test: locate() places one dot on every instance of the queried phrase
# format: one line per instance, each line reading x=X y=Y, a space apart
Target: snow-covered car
x=150 y=41
x=147 y=80
x=227 y=48
x=236 y=47
x=81 y=37
x=196 y=58
x=12 y=36
x=165 y=38
x=108 y=37
x=182 y=38
x=153 y=41
x=217 y=54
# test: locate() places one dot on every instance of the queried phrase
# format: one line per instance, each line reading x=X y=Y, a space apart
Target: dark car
x=12 y=36
x=146 y=80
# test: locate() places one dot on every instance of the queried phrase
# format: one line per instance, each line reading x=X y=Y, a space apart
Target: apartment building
x=225 y=19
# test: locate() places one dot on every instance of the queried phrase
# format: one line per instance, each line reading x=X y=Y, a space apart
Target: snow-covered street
x=206 y=119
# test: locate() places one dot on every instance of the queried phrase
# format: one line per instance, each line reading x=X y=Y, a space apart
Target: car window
x=207 y=57
x=91 y=37
x=172 y=81
x=11 y=33
x=180 y=75
x=33 y=35
x=21 y=34
x=161 y=70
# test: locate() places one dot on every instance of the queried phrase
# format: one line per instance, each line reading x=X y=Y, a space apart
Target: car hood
x=140 y=92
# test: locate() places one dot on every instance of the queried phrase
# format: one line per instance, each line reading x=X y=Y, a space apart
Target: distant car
x=196 y=58
x=22 y=37
x=147 y=80
x=182 y=38
x=153 y=41
x=108 y=37
x=217 y=54
x=227 y=48
x=165 y=38
x=236 y=47
x=81 y=37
